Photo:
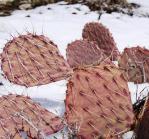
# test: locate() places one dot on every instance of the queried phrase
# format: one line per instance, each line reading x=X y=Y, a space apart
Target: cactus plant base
x=142 y=128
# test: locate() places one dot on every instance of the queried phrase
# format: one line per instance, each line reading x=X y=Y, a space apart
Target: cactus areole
x=95 y=31
x=84 y=52
x=31 y=60
x=98 y=103
x=135 y=61
x=19 y=114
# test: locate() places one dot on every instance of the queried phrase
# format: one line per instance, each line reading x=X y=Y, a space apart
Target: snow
x=63 y=24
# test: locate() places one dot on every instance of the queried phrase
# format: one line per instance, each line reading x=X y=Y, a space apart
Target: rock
x=109 y=6
x=7 y=6
x=72 y=1
x=6 y=1
x=36 y=3
x=106 y=4
x=5 y=13
x=25 y=6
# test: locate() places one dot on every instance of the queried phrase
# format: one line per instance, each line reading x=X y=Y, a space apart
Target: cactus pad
x=135 y=61
x=95 y=31
x=20 y=114
x=84 y=52
x=31 y=60
x=98 y=102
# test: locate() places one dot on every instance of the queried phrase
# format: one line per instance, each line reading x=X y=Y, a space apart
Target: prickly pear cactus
x=98 y=103
x=84 y=52
x=20 y=114
x=142 y=130
x=135 y=61
x=31 y=60
x=95 y=31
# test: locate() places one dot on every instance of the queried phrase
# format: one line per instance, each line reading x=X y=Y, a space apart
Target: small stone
x=28 y=16
x=25 y=6
x=5 y=13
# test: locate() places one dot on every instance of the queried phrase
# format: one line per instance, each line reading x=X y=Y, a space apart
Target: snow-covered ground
x=63 y=24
